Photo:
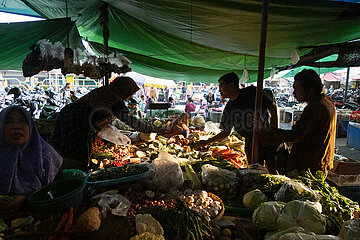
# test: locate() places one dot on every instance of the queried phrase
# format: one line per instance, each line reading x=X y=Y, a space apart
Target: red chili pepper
x=235 y=163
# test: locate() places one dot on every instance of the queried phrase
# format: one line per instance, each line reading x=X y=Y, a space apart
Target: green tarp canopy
x=197 y=40
x=16 y=38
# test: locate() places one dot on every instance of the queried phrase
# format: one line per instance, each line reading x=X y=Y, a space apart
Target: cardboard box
x=350 y=167
x=344 y=180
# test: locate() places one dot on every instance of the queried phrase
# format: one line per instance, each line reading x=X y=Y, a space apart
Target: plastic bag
x=220 y=181
x=212 y=127
x=292 y=190
x=254 y=169
x=114 y=203
x=198 y=121
x=168 y=174
x=350 y=229
x=302 y=214
x=112 y=134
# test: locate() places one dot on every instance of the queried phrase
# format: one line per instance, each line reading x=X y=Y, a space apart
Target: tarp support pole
x=346 y=84
x=104 y=21
x=260 y=79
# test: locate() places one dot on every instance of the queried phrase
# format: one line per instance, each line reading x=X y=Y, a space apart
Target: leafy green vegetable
x=269 y=184
x=336 y=207
x=3 y=226
x=118 y=172
x=180 y=222
x=292 y=190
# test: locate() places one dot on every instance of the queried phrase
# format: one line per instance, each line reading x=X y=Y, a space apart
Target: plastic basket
x=116 y=181
x=58 y=196
x=73 y=173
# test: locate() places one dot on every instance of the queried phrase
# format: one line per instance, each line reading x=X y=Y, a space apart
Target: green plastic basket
x=73 y=173
x=58 y=196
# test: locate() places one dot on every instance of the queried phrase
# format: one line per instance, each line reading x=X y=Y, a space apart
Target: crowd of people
x=28 y=162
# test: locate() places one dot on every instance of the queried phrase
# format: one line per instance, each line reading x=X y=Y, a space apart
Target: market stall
x=163 y=187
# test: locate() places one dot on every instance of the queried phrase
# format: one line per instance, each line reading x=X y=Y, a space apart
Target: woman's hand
x=201 y=143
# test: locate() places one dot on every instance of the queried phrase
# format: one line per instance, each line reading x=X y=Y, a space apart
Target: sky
x=9 y=17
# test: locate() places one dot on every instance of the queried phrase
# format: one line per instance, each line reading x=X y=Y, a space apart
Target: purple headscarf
x=24 y=169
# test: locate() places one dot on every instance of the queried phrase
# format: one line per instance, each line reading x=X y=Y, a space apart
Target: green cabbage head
x=265 y=216
x=303 y=214
x=254 y=198
x=350 y=229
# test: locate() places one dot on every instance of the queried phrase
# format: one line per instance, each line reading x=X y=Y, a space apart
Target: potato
x=226 y=233
x=216 y=232
x=88 y=221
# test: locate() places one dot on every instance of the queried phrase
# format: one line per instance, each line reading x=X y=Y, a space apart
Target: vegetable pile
x=305 y=186
x=180 y=222
x=110 y=155
x=118 y=172
x=336 y=207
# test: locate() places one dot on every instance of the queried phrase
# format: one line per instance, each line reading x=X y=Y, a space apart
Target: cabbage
x=254 y=198
x=265 y=216
x=303 y=214
x=304 y=236
x=277 y=235
x=350 y=229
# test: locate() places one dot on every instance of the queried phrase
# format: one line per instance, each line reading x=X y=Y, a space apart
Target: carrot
x=230 y=155
x=60 y=225
x=226 y=151
x=235 y=163
x=68 y=225
x=70 y=219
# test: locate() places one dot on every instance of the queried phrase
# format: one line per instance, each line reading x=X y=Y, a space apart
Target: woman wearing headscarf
x=27 y=161
x=78 y=123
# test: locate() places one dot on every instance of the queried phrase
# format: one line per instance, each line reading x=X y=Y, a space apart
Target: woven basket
x=221 y=214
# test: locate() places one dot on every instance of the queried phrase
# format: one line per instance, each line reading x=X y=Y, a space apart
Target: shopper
x=172 y=102
x=65 y=93
x=190 y=106
x=313 y=135
x=167 y=94
x=154 y=94
x=142 y=103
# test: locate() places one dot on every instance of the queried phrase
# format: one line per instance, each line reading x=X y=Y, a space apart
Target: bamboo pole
x=260 y=79
x=346 y=84
x=104 y=15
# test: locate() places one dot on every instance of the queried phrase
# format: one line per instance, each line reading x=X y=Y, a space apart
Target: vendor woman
x=27 y=161
x=78 y=123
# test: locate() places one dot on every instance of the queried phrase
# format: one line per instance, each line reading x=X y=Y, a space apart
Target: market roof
x=201 y=40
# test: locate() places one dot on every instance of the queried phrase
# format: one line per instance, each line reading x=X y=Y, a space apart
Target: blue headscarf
x=23 y=169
